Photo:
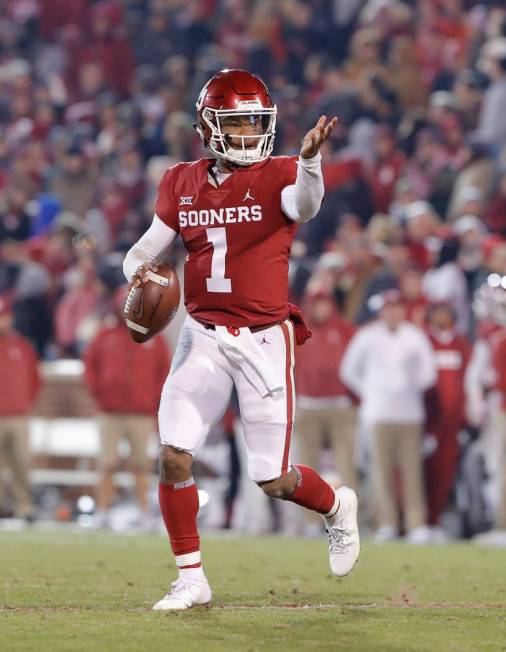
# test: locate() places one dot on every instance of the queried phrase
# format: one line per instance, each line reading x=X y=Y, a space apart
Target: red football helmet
x=236 y=93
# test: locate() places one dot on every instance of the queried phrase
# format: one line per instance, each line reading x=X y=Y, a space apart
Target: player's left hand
x=314 y=138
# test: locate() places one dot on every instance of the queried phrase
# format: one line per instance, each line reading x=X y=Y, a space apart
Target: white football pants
x=197 y=393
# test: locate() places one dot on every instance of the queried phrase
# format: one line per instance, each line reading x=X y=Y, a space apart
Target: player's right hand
x=316 y=136
x=140 y=274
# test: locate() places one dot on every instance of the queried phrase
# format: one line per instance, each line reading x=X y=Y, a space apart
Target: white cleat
x=185 y=593
x=342 y=528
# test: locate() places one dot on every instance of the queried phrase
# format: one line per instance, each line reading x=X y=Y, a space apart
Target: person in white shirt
x=389 y=364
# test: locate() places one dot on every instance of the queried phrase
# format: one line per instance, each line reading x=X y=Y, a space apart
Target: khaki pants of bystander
x=137 y=429
x=339 y=426
x=398 y=445
x=15 y=458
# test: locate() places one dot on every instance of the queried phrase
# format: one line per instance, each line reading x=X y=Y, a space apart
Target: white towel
x=244 y=350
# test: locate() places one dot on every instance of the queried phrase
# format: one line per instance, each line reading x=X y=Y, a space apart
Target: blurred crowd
x=97 y=99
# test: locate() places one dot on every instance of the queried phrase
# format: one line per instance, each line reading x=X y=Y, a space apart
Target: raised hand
x=314 y=138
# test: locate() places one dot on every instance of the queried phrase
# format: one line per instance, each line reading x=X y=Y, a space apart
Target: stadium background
x=97 y=99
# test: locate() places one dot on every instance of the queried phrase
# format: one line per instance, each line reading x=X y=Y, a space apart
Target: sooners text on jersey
x=237 y=238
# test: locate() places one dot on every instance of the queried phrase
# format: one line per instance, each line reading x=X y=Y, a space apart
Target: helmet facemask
x=237 y=148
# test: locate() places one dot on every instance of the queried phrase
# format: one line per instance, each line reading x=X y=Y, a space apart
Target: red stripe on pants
x=289 y=396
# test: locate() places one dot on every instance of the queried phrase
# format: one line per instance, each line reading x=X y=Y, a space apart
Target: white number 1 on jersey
x=218 y=282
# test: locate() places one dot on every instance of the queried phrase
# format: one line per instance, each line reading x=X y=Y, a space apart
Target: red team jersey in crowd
x=237 y=237
x=445 y=402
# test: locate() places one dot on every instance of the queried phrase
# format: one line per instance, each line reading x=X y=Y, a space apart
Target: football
x=150 y=307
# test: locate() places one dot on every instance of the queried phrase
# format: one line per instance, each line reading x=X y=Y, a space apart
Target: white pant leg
x=268 y=422
x=197 y=390
x=251 y=510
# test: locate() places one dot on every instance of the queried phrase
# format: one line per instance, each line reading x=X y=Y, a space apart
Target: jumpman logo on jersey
x=248 y=196
x=264 y=341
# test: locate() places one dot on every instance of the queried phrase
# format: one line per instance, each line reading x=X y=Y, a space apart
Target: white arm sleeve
x=301 y=201
x=156 y=239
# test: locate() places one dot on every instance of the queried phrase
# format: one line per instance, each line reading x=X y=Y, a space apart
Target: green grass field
x=92 y=592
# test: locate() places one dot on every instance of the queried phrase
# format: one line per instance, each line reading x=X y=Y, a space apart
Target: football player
x=236 y=212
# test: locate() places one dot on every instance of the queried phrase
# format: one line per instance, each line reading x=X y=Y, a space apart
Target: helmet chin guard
x=236 y=93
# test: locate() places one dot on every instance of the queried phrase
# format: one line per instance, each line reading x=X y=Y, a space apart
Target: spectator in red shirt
x=79 y=303
x=56 y=14
x=387 y=167
x=326 y=413
x=107 y=46
x=19 y=385
x=126 y=380
x=422 y=230
x=445 y=407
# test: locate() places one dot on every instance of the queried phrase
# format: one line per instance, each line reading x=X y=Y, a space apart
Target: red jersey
x=319 y=360
x=445 y=401
x=383 y=177
x=237 y=237
x=124 y=376
x=416 y=310
x=19 y=380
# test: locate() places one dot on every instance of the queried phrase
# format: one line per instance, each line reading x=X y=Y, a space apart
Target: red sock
x=179 y=504
x=312 y=491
